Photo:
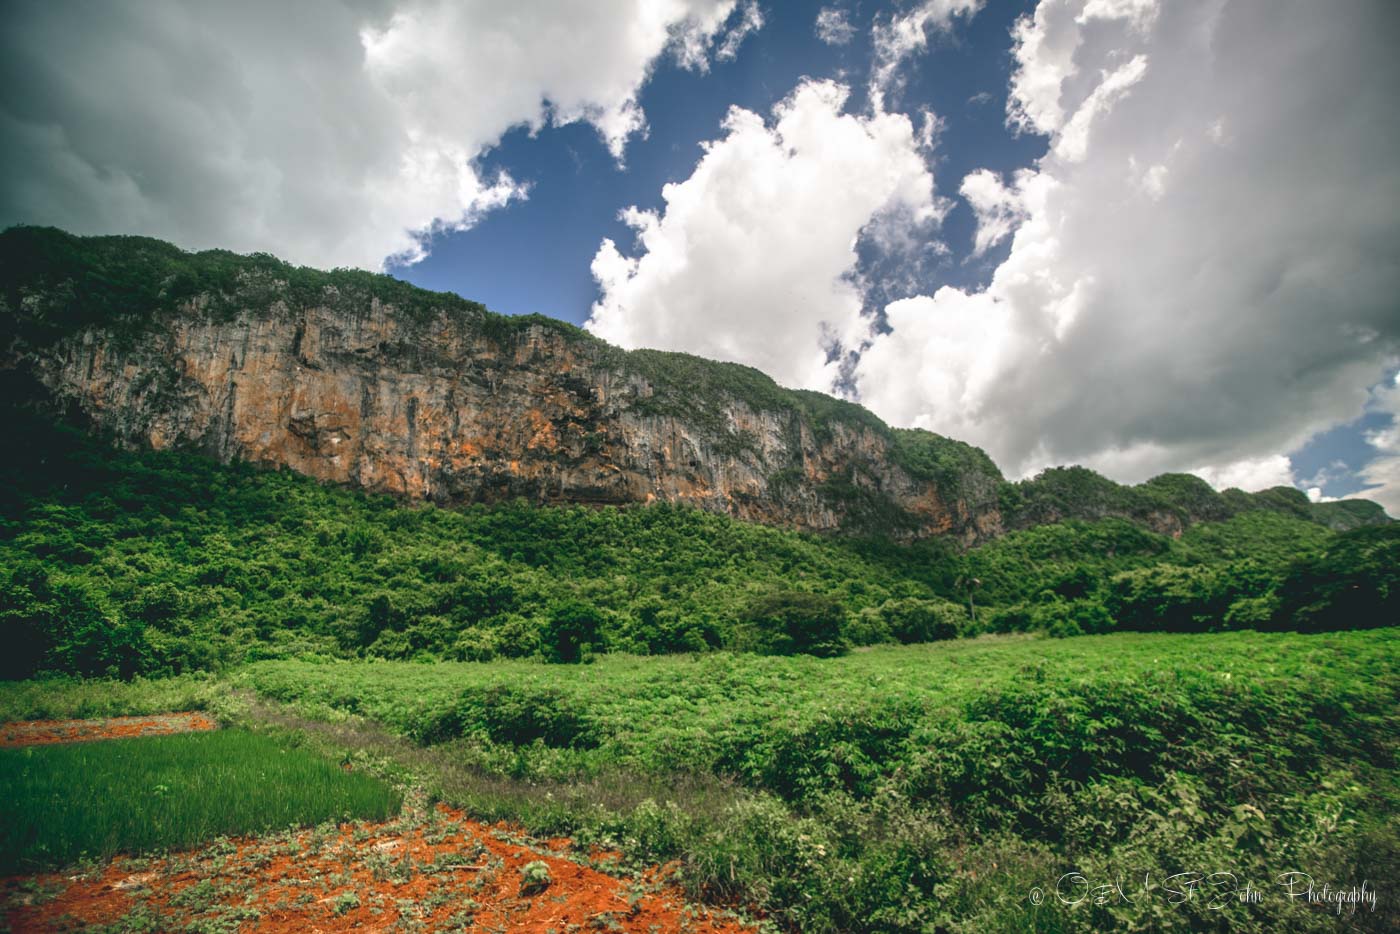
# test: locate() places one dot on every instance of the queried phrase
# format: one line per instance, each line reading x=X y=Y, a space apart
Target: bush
x=1168 y=598
x=25 y=621
x=659 y=629
x=573 y=630
x=534 y=877
x=914 y=620
x=514 y=715
x=1053 y=615
x=794 y=622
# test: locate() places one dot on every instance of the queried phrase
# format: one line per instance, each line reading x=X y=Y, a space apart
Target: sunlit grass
x=61 y=803
x=68 y=698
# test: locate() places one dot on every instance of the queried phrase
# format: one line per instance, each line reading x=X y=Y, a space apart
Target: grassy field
x=62 y=698
x=937 y=786
x=724 y=712
x=951 y=786
x=61 y=803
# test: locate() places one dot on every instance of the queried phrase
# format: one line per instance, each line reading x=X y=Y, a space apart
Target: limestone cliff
x=364 y=380
x=447 y=402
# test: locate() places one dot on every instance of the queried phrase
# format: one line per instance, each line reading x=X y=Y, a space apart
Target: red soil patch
x=45 y=732
x=431 y=871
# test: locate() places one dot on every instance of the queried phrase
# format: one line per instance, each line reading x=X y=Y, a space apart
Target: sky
x=1140 y=235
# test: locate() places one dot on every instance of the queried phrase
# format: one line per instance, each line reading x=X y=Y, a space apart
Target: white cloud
x=1382 y=473
x=1202 y=273
x=834 y=26
x=1073 y=140
x=1045 y=43
x=750 y=21
x=952 y=346
x=1140 y=13
x=1251 y=474
x=900 y=36
x=330 y=132
x=751 y=258
x=999 y=208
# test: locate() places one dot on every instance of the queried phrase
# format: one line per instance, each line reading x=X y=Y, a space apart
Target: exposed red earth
x=44 y=732
x=431 y=869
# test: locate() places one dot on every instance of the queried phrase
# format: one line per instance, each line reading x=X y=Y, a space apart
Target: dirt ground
x=431 y=869
x=44 y=732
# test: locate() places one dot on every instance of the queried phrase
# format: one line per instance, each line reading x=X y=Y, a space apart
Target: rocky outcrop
x=440 y=409
x=364 y=380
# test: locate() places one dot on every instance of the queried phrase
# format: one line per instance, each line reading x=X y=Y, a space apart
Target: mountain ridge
x=361 y=379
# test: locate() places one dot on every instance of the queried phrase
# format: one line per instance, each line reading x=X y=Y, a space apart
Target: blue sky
x=1135 y=234
x=534 y=255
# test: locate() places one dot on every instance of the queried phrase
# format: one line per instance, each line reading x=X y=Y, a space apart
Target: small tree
x=26 y=621
x=574 y=628
x=1353 y=584
x=915 y=620
x=794 y=622
x=92 y=642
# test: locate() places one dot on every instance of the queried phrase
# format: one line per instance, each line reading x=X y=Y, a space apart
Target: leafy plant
x=792 y=622
x=534 y=877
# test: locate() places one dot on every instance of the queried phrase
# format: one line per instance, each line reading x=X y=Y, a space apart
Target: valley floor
x=1164 y=782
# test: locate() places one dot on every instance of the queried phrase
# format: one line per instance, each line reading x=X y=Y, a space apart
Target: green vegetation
x=60 y=803
x=138 y=563
x=534 y=878
x=793 y=622
x=848 y=733
x=63 y=698
x=53 y=283
x=900 y=788
x=124 y=562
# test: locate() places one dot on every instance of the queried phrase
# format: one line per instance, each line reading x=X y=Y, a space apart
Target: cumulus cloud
x=899 y=36
x=331 y=132
x=834 y=26
x=752 y=256
x=1250 y=474
x=1202 y=271
x=750 y=21
x=1382 y=472
x=998 y=207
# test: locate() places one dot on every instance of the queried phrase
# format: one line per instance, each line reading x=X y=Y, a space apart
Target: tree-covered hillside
x=139 y=562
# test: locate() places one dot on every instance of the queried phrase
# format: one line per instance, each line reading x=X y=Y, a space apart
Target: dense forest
x=120 y=562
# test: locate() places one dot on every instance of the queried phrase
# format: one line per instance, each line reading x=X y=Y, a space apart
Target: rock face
x=440 y=409
x=363 y=380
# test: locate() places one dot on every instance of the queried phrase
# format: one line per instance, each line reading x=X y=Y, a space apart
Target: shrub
x=1251 y=612
x=914 y=620
x=659 y=629
x=794 y=622
x=573 y=630
x=1167 y=597
x=534 y=877
x=523 y=715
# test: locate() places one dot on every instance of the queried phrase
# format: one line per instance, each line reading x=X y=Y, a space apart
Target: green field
x=61 y=698
x=910 y=788
x=62 y=803
x=897 y=788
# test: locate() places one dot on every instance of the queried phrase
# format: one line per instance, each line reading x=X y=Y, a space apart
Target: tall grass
x=64 y=698
x=62 y=803
x=931 y=787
